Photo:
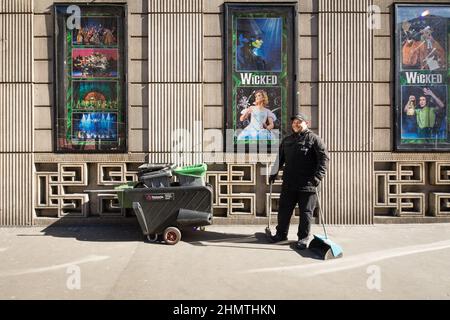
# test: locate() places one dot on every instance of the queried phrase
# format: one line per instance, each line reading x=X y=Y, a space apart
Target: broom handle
x=321 y=214
x=270 y=204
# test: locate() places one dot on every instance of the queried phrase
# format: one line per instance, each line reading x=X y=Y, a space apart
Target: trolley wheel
x=152 y=237
x=172 y=235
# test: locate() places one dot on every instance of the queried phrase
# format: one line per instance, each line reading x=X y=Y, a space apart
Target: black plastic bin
x=155 y=175
x=157 y=179
x=163 y=211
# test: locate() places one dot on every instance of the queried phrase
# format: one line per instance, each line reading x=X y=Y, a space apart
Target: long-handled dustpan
x=269 y=214
x=321 y=244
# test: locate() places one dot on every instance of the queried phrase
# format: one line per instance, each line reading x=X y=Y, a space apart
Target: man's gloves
x=316 y=182
x=272 y=178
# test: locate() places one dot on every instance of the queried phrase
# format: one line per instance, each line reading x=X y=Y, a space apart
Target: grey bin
x=157 y=179
x=185 y=180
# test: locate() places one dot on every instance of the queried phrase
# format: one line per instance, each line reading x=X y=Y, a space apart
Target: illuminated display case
x=260 y=73
x=90 y=87
x=422 y=75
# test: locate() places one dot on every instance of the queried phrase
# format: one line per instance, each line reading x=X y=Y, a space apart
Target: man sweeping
x=305 y=159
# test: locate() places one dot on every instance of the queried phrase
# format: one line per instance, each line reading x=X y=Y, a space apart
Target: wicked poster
x=422 y=68
x=260 y=90
x=90 y=86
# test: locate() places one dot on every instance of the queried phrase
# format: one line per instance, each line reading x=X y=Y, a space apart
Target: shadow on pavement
x=100 y=233
x=132 y=232
x=231 y=240
x=305 y=253
x=239 y=241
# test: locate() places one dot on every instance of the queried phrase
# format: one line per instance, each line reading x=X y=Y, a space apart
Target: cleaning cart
x=167 y=199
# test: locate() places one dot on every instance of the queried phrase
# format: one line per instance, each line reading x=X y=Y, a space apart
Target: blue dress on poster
x=256 y=130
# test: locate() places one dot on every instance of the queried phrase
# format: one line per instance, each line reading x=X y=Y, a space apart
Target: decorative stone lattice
x=409 y=188
x=109 y=174
x=235 y=203
x=108 y=205
x=224 y=184
x=275 y=195
x=52 y=194
x=112 y=174
x=440 y=201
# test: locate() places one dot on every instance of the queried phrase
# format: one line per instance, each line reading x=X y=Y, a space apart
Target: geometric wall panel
x=52 y=191
x=108 y=205
x=440 y=173
x=275 y=195
x=412 y=188
x=114 y=174
x=390 y=189
x=225 y=183
x=440 y=204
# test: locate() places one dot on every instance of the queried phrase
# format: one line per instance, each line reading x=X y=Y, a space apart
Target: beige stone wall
x=345 y=109
x=16 y=113
x=168 y=89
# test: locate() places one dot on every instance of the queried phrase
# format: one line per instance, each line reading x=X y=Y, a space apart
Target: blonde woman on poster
x=261 y=119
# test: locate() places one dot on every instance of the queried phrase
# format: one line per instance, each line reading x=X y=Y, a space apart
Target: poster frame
x=59 y=78
x=398 y=108
x=291 y=9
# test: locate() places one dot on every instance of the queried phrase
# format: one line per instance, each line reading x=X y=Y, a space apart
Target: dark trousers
x=307 y=203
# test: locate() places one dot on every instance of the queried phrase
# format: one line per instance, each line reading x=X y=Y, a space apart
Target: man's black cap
x=300 y=116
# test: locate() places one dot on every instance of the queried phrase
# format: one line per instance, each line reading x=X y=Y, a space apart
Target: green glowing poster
x=90 y=86
x=260 y=72
x=422 y=69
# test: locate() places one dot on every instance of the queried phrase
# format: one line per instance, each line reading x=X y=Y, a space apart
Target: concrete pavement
x=223 y=262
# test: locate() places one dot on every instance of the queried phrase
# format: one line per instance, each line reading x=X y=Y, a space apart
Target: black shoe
x=278 y=237
x=301 y=245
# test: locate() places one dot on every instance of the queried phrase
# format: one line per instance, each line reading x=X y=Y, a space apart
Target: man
x=409 y=125
x=305 y=159
x=426 y=115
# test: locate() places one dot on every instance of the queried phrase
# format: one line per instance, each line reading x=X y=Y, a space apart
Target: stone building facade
x=175 y=60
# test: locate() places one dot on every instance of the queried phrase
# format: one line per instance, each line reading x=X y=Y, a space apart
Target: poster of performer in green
x=260 y=73
x=422 y=107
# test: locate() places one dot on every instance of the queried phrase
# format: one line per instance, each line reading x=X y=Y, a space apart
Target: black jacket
x=305 y=160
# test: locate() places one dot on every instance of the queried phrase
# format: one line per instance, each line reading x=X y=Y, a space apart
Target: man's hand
x=427 y=92
x=272 y=178
x=316 y=182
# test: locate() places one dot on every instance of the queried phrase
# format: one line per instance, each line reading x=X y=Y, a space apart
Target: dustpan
x=323 y=246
